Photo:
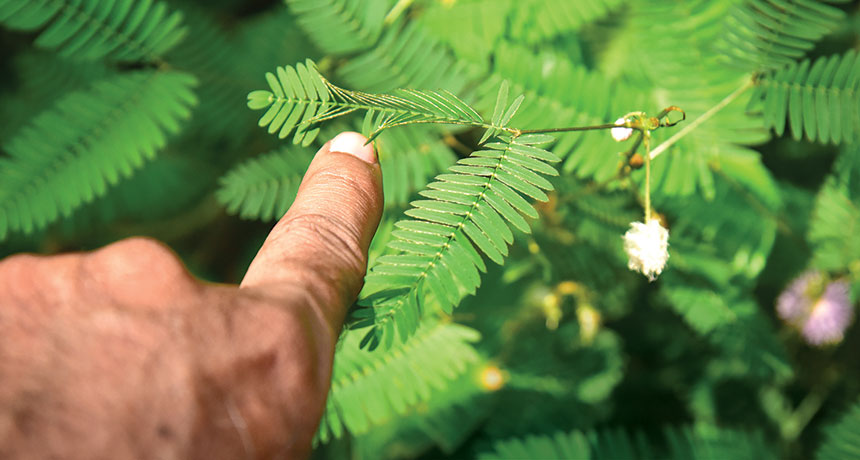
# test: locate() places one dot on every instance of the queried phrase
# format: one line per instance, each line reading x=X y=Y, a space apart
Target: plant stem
x=574 y=128
x=703 y=118
x=647 y=140
x=396 y=11
x=797 y=421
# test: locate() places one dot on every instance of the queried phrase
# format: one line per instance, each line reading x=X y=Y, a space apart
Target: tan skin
x=121 y=354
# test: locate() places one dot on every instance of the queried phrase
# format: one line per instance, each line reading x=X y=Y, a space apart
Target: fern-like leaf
x=719 y=249
x=696 y=78
x=341 y=26
x=842 y=439
x=220 y=62
x=300 y=98
x=819 y=99
x=563 y=95
x=751 y=342
x=685 y=443
x=122 y=30
x=835 y=223
x=408 y=58
x=836 y=216
x=42 y=79
x=474 y=28
x=445 y=420
x=265 y=187
x=766 y=34
x=70 y=154
x=468 y=210
x=535 y=21
x=369 y=389
x=559 y=446
x=410 y=156
x=470 y=29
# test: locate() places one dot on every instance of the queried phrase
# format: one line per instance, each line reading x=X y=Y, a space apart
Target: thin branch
x=791 y=427
x=574 y=128
x=647 y=137
x=698 y=121
x=396 y=11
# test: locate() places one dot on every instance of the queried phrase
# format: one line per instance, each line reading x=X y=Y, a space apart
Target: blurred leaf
x=842 y=438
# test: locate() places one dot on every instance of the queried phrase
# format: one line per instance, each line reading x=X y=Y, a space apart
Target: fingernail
x=353 y=144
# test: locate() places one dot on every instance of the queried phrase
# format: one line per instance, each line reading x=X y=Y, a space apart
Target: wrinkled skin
x=120 y=353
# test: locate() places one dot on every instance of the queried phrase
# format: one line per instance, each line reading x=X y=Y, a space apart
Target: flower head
x=647 y=246
x=821 y=312
x=621 y=134
x=794 y=302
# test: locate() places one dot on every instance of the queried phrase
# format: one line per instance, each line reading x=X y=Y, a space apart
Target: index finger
x=320 y=246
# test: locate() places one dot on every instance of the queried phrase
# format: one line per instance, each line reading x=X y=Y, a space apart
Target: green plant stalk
x=647 y=140
x=396 y=11
x=705 y=117
x=569 y=129
x=791 y=427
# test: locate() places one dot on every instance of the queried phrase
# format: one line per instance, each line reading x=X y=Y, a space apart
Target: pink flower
x=820 y=312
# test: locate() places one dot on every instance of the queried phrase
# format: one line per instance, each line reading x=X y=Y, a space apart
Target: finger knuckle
x=136 y=246
x=137 y=266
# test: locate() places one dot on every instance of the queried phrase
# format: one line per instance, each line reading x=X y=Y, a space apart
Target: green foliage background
x=126 y=117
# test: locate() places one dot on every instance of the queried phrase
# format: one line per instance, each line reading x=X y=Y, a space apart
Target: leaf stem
x=791 y=427
x=396 y=11
x=703 y=118
x=573 y=128
x=647 y=140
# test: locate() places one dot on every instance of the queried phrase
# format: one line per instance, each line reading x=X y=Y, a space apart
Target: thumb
x=319 y=248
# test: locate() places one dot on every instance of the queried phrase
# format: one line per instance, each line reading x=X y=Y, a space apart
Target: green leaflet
x=842 y=438
x=410 y=157
x=72 y=153
x=695 y=78
x=341 y=26
x=555 y=447
x=407 y=58
x=469 y=212
x=681 y=443
x=716 y=257
x=447 y=419
x=264 y=187
x=818 y=99
x=766 y=34
x=569 y=95
x=535 y=21
x=44 y=79
x=227 y=60
x=300 y=98
x=371 y=388
x=836 y=216
x=121 y=30
x=474 y=28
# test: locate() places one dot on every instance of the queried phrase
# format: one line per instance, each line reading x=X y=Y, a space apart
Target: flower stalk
x=646 y=244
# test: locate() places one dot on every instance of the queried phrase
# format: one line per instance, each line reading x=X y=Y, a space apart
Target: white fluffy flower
x=621 y=134
x=647 y=246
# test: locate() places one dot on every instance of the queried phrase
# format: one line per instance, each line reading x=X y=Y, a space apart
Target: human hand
x=121 y=353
